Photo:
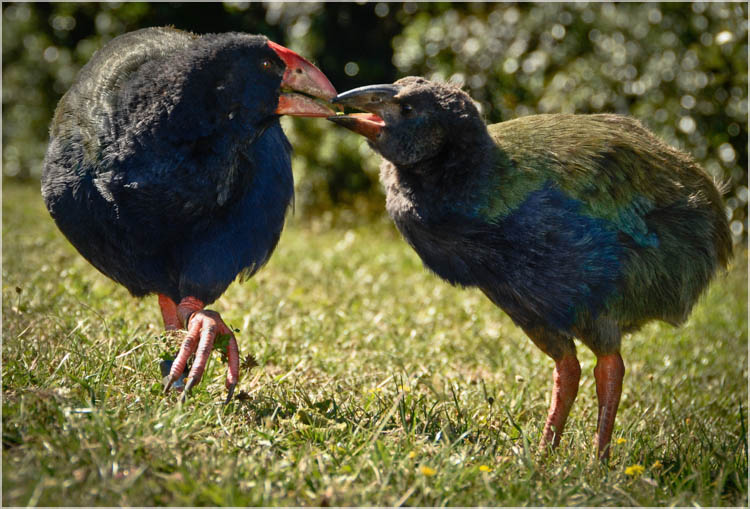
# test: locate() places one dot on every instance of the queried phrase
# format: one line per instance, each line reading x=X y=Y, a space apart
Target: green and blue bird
x=577 y=226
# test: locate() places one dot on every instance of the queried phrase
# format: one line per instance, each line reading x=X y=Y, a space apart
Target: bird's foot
x=203 y=328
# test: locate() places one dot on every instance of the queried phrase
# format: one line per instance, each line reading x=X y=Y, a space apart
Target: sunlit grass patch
x=376 y=384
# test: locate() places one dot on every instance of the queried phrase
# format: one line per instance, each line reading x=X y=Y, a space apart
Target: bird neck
x=450 y=178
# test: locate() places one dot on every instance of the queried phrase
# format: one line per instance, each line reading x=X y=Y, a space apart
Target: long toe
x=205 y=326
x=209 y=325
x=233 y=360
x=189 y=346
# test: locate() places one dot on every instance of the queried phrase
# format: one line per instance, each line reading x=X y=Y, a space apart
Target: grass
x=376 y=384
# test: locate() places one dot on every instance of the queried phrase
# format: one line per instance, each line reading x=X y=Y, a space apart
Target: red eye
x=266 y=65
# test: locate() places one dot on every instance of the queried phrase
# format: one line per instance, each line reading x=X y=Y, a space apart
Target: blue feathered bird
x=582 y=226
x=168 y=170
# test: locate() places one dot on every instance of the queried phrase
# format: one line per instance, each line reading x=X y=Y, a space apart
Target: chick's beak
x=375 y=100
x=368 y=125
x=302 y=76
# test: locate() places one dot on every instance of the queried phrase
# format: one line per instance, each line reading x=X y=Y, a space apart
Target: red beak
x=302 y=76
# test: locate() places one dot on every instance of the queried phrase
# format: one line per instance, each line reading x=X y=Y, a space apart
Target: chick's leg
x=564 y=392
x=566 y=377
x=203 y=326
x=609 y=372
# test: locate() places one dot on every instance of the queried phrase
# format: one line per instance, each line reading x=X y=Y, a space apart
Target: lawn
x=375 y=384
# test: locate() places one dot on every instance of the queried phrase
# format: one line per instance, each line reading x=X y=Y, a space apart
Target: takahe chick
x=167 y=169
x=581 y=226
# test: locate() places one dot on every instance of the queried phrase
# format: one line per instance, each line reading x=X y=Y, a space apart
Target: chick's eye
x=406 y=108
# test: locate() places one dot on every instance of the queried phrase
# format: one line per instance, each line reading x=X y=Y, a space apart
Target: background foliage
x=680 y=68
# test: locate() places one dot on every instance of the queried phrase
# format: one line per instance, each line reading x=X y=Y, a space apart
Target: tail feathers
x=665 y=282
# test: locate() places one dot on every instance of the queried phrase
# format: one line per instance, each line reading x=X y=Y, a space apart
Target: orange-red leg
x=566 y=378
x=609 y=372
x=169 y=313
x=202 y=326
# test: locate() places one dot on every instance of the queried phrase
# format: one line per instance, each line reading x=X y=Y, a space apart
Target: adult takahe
x=168 y=170
x=581 y=226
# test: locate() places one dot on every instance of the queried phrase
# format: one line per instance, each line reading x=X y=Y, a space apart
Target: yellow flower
x=634 y=470
x=411 y=455
x=657 y=465
x=429 y=472
x=404 y=388
x=621 y=441
x=485 y=468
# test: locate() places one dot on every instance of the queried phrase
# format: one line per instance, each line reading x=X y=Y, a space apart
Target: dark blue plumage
x=242 y=239
x=528 y=276
x=167 y=166
x=170 y=174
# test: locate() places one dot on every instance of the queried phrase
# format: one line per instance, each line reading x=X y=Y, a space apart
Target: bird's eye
x=266 y=65
x=406 y=108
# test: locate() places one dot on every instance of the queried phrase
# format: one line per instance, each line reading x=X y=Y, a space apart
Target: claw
x=190 y=384
x=188 y=387
x=168 y=384
x=172 y=380
x=231 y=393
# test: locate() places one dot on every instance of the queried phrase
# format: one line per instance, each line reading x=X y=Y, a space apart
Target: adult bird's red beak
x=302 y=76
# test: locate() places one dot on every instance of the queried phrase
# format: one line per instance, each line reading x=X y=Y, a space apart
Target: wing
x=615 y=168
x=87 y=109
x=85 y=160
x=616 y=218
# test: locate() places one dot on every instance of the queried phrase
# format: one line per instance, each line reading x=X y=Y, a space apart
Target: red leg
x=609 y=372
x=203 y=326
x=169 y=313
x=564 y=391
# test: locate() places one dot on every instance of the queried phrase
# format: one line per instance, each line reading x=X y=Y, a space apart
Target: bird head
x=409 y=121
x=252 y=79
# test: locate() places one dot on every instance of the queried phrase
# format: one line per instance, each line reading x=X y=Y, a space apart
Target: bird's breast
x=542 y=263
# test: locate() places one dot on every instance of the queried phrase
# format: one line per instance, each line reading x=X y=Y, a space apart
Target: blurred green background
x=680 y=68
